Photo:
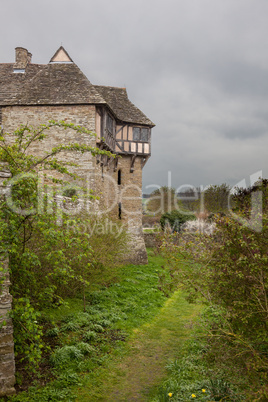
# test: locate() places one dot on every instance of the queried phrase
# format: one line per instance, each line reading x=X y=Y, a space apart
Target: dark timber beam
x=132 y=163
x=115 y=163
x=99 y=157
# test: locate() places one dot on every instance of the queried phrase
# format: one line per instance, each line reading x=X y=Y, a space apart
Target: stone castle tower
x=36 y=93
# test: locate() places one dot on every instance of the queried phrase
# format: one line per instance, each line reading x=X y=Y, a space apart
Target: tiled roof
x=58 y=84
x=11 y=83
x=63 y=83
x=123 y=109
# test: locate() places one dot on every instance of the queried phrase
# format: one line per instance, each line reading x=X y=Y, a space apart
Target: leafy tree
x=190 y=198
x=175 y=219
x=216 y=198
x=45 y=258
x=162 y=200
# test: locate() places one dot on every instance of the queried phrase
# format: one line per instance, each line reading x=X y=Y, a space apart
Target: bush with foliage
x=175 y=219
x=199 y=226
x=51 y=254
x=217 y=198
x=27 y=333
x=214 y=198
x=229 y=270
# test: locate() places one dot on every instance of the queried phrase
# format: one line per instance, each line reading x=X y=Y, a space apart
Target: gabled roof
x=61 y=56
x=62 y=82
x=118 y=101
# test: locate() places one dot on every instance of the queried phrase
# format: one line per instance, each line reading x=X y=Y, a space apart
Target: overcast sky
x=197 y=68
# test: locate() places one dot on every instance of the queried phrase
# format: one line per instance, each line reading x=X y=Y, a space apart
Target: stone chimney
x=23 y=57
x=29 y=57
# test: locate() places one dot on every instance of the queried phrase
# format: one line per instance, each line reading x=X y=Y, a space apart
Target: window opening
x=136 y=134
x=119 y=177
x=110 y=124
x=120 y=210
x=144 y=134
x=19 y=70
x=140 y=134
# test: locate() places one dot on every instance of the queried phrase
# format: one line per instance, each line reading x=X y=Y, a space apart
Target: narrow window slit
x=119 y=177
x=120 y=210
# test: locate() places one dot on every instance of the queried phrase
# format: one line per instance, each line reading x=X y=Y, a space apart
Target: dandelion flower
x=203 y=390
x=170 y=394
x=193 y=396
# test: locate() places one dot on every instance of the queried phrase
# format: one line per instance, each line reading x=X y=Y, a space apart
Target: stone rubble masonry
x=150 y=239
x=129 y=195
x=103 y=180
x=7 y=359
x=23 y=57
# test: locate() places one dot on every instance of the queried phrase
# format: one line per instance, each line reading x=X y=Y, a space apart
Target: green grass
x=112 y=312
x=191 y=373
x=139 y=367
x=151 y=230
x=118 y=349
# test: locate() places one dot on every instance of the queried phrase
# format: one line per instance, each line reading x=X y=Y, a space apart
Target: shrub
x=53 y=332
x=65 y=355
x=90 y=336
x=229 y=271
x=217 y=198
x=175 y=219
x=27 y=333
x=96 y=328
x=199 y=226
x=46 y=258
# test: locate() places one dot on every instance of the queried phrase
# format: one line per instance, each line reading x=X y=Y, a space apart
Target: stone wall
x=14 y=116
x=101 y=177
x=127 y=197
x=150 y=239
x=7 y=359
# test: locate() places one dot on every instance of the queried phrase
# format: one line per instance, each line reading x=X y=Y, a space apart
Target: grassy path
x=132 y=375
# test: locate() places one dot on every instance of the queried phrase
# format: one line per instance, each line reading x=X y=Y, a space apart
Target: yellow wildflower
x=203 y=390
x=193 y=396
x=170 y=394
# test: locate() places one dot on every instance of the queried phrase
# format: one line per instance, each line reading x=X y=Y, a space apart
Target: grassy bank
x=83 y=342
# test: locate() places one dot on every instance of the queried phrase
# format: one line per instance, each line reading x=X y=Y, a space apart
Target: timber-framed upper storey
x=120 y=137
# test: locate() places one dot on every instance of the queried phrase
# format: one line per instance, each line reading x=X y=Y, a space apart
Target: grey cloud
x=198 y=69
